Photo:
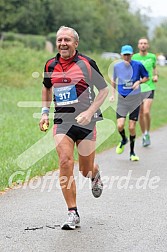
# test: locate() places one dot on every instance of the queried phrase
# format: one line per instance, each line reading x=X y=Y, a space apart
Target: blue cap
x=126 y=49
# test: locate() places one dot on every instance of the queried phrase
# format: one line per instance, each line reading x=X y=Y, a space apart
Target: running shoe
x=72 y=222
x=121 y=146
x=146 y=140
x=133 y=157
x=97 y=186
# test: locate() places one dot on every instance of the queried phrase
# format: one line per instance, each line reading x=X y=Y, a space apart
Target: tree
x=159 y=40
x=9 y=14
x=101 y=24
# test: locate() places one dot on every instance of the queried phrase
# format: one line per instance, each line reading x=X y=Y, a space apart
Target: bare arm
x=137 y=83
x=113 y=88
x=144 y=79
x=46 y=101
x=155 y=74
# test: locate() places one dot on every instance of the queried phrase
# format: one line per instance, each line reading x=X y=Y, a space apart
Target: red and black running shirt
x=73 y=83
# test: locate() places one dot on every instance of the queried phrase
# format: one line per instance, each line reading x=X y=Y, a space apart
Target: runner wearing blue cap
x=127 y=77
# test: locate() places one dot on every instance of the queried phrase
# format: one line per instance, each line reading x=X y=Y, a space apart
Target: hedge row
x=33 y=41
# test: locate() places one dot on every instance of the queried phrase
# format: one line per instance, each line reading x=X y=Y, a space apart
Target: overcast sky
x=157 y=7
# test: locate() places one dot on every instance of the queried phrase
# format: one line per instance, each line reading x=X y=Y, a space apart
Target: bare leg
x=65 y=149
x=120 y=123
x=141 y=119
x=86 y=152
x=147 y=113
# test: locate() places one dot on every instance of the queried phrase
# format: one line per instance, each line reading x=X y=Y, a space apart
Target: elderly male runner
x=72 y=77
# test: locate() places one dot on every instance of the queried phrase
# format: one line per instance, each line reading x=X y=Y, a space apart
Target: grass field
x=25 y=151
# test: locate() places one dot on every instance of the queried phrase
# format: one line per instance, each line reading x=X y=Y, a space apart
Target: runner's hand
x=112 y=98
x=83 y=118
x=44 y=122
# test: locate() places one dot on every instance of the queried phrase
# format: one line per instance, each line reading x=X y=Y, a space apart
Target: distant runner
x=147 y=89
x=127 y=78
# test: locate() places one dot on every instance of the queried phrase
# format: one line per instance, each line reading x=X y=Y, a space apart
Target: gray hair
x=76 y=36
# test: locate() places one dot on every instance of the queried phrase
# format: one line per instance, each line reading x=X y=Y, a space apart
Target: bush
x=7 y=44
x=52 y=38
x=32 y=41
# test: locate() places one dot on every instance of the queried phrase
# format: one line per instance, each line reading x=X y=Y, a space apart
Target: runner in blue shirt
x=127 y=76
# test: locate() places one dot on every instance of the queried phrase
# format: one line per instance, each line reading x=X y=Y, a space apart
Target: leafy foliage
x=100 y=23
x=160 y=38
x=28 y=40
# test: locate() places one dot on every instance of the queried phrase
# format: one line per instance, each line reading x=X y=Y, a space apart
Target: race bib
x=65 y=95
x=128 y=85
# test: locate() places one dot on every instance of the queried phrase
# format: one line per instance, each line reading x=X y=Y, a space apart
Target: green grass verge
x=21 y=141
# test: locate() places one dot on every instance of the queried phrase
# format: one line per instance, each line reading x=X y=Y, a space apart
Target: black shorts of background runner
x=128 y=105
x=148 y=95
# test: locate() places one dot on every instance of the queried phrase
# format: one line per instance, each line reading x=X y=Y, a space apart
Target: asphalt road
x=129 y=216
